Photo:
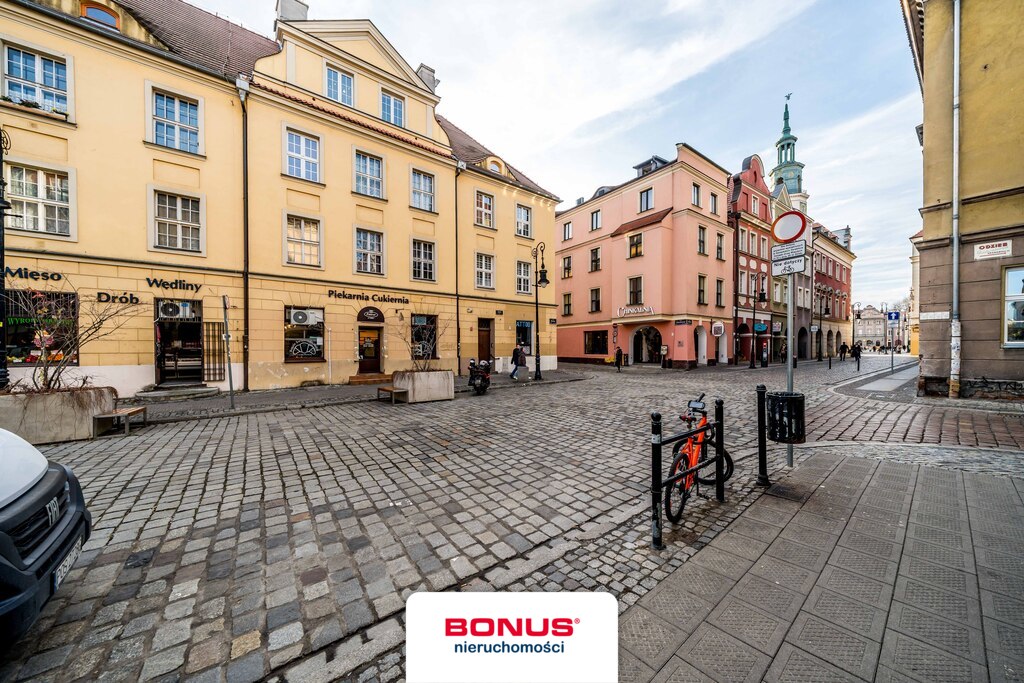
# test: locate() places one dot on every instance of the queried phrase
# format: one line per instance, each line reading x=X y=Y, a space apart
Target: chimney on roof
x=579 y=200
x=426 y=74
x=292 y=10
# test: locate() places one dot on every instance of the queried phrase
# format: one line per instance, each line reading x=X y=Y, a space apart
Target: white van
x=43 y=525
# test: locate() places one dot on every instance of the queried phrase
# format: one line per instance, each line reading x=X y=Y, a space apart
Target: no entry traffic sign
x=789 y=227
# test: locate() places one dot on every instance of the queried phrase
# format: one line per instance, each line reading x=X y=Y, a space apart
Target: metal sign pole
x=790 y=321
x=227 y=346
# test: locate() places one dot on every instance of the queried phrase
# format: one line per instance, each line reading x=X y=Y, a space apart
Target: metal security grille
x=214 y=353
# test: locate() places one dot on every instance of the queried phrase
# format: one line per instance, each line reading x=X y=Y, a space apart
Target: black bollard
x=656 y=481
x=762 y=440
x=720 y=450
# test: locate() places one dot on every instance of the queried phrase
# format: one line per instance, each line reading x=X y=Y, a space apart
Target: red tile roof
x=642 y=222
x=471 y=151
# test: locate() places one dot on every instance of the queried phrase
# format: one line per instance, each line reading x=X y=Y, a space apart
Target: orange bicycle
x=689 y=454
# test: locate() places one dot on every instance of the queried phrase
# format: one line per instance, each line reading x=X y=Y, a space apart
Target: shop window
x=596 y=342
x=524 y=335
x=303 y=334
x=1013 y=298
x=41 y=326
x=424 y=336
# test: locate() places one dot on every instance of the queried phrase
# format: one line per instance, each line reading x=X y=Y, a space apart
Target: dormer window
x=494 y=166
x=101 y=15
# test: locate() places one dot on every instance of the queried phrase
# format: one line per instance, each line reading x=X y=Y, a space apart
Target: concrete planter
x=429 y=385
x=54 y=417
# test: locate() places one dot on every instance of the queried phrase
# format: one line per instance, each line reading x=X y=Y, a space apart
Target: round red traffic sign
x=789 y=227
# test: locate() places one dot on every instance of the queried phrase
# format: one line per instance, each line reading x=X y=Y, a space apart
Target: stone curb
x=170 y=419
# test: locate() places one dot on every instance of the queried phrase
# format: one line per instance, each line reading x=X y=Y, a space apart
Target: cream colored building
x=177 y=159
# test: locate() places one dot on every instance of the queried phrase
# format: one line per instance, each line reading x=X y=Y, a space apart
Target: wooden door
x=484 y=341
x=369 y=350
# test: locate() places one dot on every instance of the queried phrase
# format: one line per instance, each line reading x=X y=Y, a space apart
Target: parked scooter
x=479 y=376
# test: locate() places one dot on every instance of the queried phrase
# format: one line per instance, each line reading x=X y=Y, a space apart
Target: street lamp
x=5 y=146
x=542 y=281
x=762 y=297
x=823 y=310
x=856 y=317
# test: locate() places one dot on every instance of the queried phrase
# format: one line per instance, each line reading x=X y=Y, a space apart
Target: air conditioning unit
x=175 y=309
x=305 y=316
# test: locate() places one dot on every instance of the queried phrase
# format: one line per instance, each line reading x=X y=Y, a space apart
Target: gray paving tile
x=944 y=537
x=1002 y=608
x=753 y=626
x=738 y=544
x=791 y=490
x=856 y=616
x=951 y=605
x=678 y=671
x=722 y=562
x=826 y=524
x=772 y=597
x=856 y=586
x=1001 y=562
x=793 y=665
x=953 y=637
x=870 y=545
x=877 y=568
x=680 y=608
x=722 y=657
x=701 y=581
x=1003 y=669
x=751 y=528
x=939 y=575
x=888 y=532
x=806 y=535
x=1006 y=639
x=650 y=638
x=920 y=661
x=797 y=553
x=784 y=574
x=1001 y=582
x=632 y=670
x=850 y=652
x=957 y=559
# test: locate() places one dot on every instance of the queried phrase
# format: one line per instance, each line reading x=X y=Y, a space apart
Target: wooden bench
x=392 y=393
x=119 y=415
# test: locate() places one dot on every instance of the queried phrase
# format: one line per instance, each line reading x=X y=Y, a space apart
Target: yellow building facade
x=303 y=191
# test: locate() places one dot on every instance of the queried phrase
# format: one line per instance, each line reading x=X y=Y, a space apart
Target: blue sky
x=575 y=93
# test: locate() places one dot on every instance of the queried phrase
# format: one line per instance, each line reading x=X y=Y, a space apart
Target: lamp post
x=762 y=298
x=885 y=325
x=5 y=146
x=823 y=310
x=542 y=281
x=856 y=317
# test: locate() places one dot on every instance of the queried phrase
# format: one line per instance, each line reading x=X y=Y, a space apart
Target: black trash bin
x=786 y=417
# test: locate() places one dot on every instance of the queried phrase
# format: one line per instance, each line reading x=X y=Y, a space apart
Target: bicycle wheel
x=677 y=492
x=708 y=478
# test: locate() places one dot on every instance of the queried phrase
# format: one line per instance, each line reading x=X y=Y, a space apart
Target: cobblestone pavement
x=233 y=548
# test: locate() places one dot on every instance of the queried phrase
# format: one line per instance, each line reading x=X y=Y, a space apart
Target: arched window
x=101 y=15
x=494 y=166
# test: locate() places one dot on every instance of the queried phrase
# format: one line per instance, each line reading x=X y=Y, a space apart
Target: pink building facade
x=646 y=267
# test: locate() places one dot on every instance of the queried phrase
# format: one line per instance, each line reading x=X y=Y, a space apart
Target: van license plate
x=62 y=570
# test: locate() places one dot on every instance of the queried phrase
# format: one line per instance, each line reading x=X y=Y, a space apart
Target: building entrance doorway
x=801 y=343
x=179 y=342
x=369 y=350
x=646 y=346
x=484 y=340
x=700 y=344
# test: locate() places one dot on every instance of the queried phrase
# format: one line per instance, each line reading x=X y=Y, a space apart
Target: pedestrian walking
x=518 y=361
x=618 y=359
x=843 y=350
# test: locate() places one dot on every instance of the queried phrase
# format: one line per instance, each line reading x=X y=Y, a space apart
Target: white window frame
x=567 y=267
x=755 y=205
x=288 y=128
x=285 y=215
x=414 y=192
x=714 y=203
x=743 y=240
x=478 y=271
x=524 y=228
x=152 y=88
x=12 y=160
x=383 y=251
x=764 y=247
x=329 y=67
x=567 y=231
x=741 y=280
x=635 y=277
x=413 y=259
x=567 y=304
x=649 y=191
x=522 y=278
x=361 y=151
x=695 y=195
x=487 y=213
x=40 y=52
x=151 y=191
x=595 y=220
x=394 y=97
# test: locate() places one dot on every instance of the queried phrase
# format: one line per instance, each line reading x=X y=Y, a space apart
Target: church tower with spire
x=788 y=170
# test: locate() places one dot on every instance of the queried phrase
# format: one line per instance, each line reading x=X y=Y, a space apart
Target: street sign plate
x=791 y=265
x=789 y=226
x=814 y=328
x=760 y=327
x=783 y=252
x=717 y=329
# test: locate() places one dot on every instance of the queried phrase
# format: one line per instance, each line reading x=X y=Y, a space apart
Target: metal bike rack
x=715 y=430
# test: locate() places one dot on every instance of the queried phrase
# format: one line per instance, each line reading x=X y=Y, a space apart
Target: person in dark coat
x=618 y=359
x=843 y=349
x=518 y=361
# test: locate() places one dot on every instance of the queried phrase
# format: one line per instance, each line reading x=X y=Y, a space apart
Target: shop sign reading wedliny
x=178 y=284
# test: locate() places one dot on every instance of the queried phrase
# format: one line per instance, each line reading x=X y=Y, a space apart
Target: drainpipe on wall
x=461 y=165
x=243 y=91
x=955 y=355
